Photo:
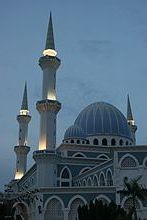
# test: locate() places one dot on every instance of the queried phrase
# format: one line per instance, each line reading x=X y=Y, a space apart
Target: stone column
x=66 y=212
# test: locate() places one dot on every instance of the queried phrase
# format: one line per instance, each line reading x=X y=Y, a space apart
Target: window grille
x=128 y=162
x=129 y=204
x=54 y=210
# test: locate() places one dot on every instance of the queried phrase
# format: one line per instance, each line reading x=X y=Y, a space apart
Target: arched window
x=103 y=156
x=78 y=141
x=65 y=177
x=102 y=179
x=66 y=141
x=109 y=178
x=73 y=213
x=95 y=181
x=95 y=141
x=65 y=174
x=121 y=142
x=79 y=183
x=72 y=141
x=104 y=142
x=113 y=142
x=128 y=162
x=79 y=155
x=89 y=182
x=84 y=182
x=83 y=142
x=127 y=142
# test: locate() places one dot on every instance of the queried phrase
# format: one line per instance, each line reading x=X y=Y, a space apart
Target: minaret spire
x=50 y=35
x=129 y=111
x=50 y=44
x=24 y=105
x=130 y=120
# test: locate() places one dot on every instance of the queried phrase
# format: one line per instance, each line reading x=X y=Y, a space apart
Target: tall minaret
x=130 y=120
x=22 y=149
x=48 y=108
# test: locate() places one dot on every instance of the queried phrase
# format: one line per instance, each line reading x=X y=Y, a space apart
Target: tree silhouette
x=99 y=211
x=134 y=191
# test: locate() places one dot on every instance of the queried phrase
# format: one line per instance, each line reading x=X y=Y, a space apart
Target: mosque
x=97 y=152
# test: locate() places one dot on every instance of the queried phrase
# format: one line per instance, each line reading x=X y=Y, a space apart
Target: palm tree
x=134 y=190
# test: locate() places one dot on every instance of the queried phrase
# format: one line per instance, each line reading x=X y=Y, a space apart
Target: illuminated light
x=51 y=96
x=49 y=52
x=24 y=112
x=131 y=122
x=18 y=175
x=42 y=144
x=41 y=147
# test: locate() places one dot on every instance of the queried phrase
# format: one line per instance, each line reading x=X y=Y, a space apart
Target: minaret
x=22 y=149
x=130 y=120
x=48 y=108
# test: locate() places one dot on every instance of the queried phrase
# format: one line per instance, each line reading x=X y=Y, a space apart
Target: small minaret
x=130 y=120
x=22 y=149
x=48 y=108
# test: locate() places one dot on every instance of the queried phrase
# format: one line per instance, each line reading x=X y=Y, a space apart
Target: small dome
x=74 y=131
x=101 y=118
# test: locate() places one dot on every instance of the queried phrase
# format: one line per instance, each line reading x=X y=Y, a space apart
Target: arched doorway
x=20 y=211
x=54 y=210
x=75 y=203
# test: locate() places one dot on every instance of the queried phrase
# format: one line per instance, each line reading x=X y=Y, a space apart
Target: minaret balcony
x=48 y=105
x=45 y=154
x=23 y=118
x=22 y=149
x=49 y=61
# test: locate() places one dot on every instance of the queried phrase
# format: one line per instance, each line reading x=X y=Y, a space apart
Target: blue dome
x=101 y=118
x=74 y=131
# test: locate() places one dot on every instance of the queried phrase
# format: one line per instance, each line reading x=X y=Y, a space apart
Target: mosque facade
x=97 y=152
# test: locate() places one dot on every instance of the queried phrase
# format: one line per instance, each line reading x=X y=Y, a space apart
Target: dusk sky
x=103 y=48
